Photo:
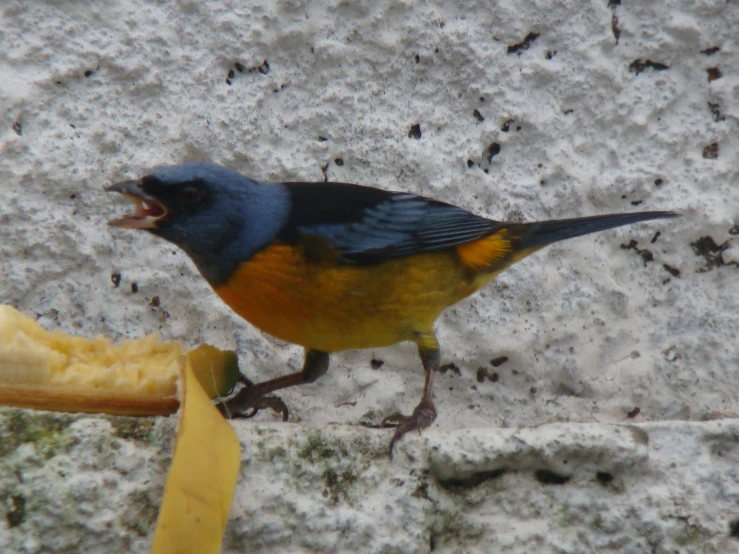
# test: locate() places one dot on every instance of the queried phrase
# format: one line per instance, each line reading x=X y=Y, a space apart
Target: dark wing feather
x=367 y=225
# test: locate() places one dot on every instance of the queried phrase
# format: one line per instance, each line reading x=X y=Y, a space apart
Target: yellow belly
x=332 y=307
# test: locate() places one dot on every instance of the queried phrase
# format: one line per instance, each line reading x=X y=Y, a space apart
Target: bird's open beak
x=148 y=210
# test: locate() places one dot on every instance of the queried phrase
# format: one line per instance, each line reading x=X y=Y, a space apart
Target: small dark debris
x=655 y=237
x=418 y=58
x=547 y=477
x=339 y=162
x=639 y=65
x=477 y=115
x=671 y=354
x=734 y=529
x=376 y=364
x=714 y=73
x=636 y=202
x=711 y=252
x=415 y=131
x=518 y=128
x=241 y=68
x=492 y=151
x=483 y=373
x=710 y=51
x=715 y=110
x=507 y=125
x=482 y=99
x=450 y=367
x=155 y=301
x=658 y=182
x=568 y=112
x=524 y=44
x=115 y=279
x=671 y=270
x=89 y=73
x=734 y=230
x=324 y=169
x=604 y=478
x=472 y=481
x=499 y=361
x=18 y=128
x=230 y=76
x=422 y=490
x=163 y=316
x=645 y=254
x=470 y=163
x=550 y=54
x=614 y=27
x=613 y=3
x=322 y=139
x=532 y=391
x=711 y=151
x=634 y=412
x=17 y=512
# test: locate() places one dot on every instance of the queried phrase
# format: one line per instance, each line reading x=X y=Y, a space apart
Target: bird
x=335 y=266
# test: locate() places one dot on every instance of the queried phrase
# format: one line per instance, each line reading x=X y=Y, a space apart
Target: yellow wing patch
x=486 y=252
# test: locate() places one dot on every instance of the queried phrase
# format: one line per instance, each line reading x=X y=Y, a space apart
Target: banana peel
x=46 y=370
x=53 y=371
x=202 y=477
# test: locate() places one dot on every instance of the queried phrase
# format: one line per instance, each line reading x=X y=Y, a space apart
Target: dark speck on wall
x=415 y=131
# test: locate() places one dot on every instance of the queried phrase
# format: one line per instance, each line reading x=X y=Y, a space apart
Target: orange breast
x=333 y=307
x=329 y=306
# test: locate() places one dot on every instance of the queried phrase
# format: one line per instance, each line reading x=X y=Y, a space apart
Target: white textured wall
x=611 y=108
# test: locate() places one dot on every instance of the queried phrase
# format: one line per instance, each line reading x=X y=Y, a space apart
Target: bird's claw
x=423 y=416
x=245 y=405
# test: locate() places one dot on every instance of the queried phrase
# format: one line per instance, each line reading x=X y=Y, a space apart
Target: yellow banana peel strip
x=202 y=477
x=53 y=371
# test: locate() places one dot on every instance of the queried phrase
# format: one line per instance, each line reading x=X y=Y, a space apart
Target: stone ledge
x=93 y=484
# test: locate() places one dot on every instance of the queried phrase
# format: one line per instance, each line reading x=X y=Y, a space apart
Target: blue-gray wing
x=367 y=225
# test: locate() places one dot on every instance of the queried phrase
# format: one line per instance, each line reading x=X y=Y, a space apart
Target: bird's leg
x=425 y=413
x=254 y=397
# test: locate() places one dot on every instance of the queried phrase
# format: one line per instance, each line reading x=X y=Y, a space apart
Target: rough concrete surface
x=592 y=401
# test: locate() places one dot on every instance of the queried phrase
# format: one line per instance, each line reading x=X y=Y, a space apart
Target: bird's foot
x=423 y=416
x=246 y=403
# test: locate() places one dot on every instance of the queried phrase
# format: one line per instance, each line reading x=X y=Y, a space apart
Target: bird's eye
x=190 y=195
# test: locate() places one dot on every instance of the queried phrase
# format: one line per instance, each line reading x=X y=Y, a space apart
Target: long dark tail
x=539 y=234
